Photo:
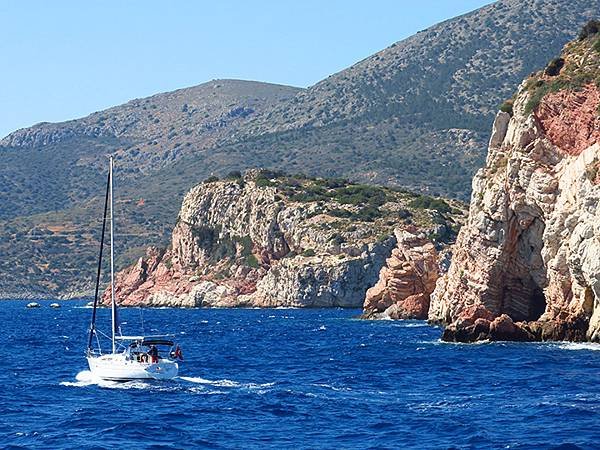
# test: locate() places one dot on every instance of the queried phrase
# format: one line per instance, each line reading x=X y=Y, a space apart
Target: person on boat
x=177 y=353
x=153 y=352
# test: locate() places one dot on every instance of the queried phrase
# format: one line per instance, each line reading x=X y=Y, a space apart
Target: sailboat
x=131 y=357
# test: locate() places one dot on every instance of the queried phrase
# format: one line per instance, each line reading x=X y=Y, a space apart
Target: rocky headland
x=526 y=265
x=267 y=239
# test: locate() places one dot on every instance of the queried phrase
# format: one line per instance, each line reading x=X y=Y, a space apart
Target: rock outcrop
x=526 y=265
x=406 y=281
x=268 y=240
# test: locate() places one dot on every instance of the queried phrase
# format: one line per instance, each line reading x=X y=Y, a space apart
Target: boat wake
x=225 y=383
x=86 y=378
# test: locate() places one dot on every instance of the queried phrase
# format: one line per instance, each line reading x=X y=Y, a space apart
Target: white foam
x=87 y=378
x=225 y=383
x=414 y=325
x=220 y=383
x=333 y=388
x=579 y=346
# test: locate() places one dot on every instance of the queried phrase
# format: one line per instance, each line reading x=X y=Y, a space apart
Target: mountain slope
x=418 y=112
x=144 y=134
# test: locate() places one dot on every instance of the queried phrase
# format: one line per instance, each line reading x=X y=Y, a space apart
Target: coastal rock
x=529 y=254
x=269 y=240
x=405 y=281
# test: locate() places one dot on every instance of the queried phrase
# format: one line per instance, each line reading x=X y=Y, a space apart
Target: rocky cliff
x=526 y=265
x=406 y=281
x=266 y=239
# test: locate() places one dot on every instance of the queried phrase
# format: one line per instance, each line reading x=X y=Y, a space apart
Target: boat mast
x=104 y=217
x=112 y=260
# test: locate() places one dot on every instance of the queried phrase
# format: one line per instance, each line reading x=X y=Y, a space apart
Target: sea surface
x=288 y=378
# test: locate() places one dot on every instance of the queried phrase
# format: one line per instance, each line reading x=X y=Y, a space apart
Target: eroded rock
x=529 y=254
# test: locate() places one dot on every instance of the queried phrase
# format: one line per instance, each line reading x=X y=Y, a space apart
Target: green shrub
x=553 y=68
x=368 y=214
x=589 y=29
x=234 y=175
x=308 y=252
x=211 y=179
x=359 y=194
x=342 y=213
x=426 y=202
x=310 y=194
x=264 y=182
x=337 y=239
x=507 y=107
x=251 y=261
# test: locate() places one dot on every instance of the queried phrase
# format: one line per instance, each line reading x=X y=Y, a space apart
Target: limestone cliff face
x=526 y=265
x=273 y=240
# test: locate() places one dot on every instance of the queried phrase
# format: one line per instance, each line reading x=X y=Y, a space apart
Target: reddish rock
x=570 y=118
x=412 y=307
x=406 y=281
x=154 y=272
x=471 y=314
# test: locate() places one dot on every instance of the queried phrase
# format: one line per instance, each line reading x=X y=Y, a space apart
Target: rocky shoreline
x=265 y=239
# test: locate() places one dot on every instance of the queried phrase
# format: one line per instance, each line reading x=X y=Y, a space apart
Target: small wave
x=220 y=383
x=469 y=344
x=578 y=346
x=225 y=383
x=333 y=388
x=414 y=325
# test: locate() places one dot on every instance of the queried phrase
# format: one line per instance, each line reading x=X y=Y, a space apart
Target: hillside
x=144 y=134
x=416 y=114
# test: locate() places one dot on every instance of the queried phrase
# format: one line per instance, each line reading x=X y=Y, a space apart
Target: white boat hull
x=119 y=367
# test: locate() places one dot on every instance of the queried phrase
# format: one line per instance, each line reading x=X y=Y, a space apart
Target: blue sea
x=288 y=378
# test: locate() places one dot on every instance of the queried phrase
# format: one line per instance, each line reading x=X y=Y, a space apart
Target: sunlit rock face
x=526 y=265
x=252 y=241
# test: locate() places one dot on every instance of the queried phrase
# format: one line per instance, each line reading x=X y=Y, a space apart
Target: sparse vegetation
x=507 y=107
x=394 y=115
x=426 y=202
x=589 y=29
x=576 y=68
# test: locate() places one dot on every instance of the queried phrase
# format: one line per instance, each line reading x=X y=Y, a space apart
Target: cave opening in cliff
x=523 y=300
x=537 y=304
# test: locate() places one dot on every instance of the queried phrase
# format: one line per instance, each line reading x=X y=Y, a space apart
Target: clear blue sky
x=66 y=59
